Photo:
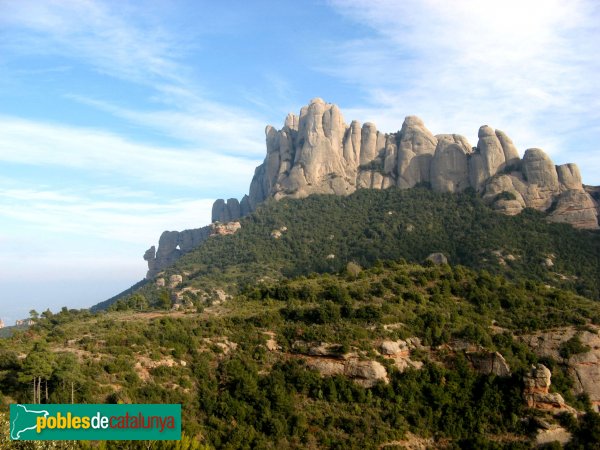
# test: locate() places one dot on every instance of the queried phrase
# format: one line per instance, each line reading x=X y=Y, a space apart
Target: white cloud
x=94 y=151
x=227 y=130
x=116 y=41
x=76 y=215
x=104 y=37
x=528 y=67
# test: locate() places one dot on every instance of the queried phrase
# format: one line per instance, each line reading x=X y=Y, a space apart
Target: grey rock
x=511 y=154
x=226 y=211
x=417 y=146
x=171 y=246
x=366 y=373
x=538 y=169
x=569 y=177
x=449 y=166
x=488 y=158
x=437 y=258
x=576 y=208
x=489 y=363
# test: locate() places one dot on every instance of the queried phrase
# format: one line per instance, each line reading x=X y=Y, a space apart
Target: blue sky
x=121 y=119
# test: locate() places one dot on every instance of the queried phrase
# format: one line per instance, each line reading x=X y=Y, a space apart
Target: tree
x=38 y=366
x=67 y=375
x=164 y=300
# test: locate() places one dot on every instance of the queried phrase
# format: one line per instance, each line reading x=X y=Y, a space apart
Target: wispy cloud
x=97 y=152
x=227 y=130
x=83 y=214
x=528 y=67
x=95 y=32
x=115 y=40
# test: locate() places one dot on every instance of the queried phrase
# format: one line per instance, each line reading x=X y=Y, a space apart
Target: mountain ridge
x=316 y=152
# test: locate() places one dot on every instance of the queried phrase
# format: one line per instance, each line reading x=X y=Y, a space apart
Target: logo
x=95 y=422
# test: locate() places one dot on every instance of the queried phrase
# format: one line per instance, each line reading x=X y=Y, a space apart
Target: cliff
x=318 y=153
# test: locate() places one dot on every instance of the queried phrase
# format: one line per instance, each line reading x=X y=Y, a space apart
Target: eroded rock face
x=584 y=368
x=173 y=244
x=329 y=360
x=536 y=391
x=230 y=210
x=489 y=363
x=576 y=208
x=450 y=164
x=488 y=158
x=316 y=152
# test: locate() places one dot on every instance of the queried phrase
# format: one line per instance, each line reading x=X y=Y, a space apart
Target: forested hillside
x=322 y=233
x=253 y=371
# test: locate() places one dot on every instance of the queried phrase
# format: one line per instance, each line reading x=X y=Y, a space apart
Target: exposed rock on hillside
x=173 y=244
x=318 y=153
x=583 y=367
x=536 y=391
x=489 y=363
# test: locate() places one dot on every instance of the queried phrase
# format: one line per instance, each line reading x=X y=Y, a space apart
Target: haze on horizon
x=120 y=120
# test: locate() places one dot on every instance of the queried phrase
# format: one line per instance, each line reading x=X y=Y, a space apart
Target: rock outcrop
x=173 y=244
x=583 y=368
x=437 y=258
x=536 y=391
x=489 y=363
x=317 y=153
x=330 y=360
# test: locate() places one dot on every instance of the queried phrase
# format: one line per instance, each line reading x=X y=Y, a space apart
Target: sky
x=122 y=119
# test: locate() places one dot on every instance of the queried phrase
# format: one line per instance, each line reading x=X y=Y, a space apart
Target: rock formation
x=536 y=391
x=317 y=153
x=173 y=244
x=584 y=368
x=489 y=363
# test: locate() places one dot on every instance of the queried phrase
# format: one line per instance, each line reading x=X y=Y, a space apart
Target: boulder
x=536 y=391
x=224 y=229
x=489 y=363
x=437 y=258
x=366 y=373
x=394 y=348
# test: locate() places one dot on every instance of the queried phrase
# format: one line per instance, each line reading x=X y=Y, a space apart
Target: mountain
x=324 y=233
x=318 y=153
x=326 y=311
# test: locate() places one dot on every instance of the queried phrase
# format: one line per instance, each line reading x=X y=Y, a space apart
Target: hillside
x=396 y=354
x=316 y=152
x=322 y=233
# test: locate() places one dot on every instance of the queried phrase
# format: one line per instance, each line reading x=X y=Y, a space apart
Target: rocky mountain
x=318 y=153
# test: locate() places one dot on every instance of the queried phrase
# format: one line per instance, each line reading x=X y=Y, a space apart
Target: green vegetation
x=244 y=396
x=345 y=272
x=326 y=232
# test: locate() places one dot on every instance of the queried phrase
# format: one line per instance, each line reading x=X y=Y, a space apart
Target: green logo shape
x=95 y=422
